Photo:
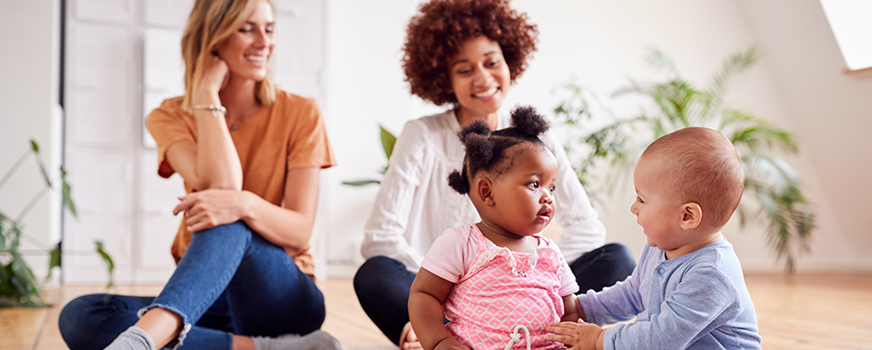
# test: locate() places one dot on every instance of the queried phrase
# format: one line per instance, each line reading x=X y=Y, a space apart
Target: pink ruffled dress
x=506 y=299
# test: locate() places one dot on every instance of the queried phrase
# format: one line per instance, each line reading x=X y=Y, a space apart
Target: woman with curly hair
x=464 y=54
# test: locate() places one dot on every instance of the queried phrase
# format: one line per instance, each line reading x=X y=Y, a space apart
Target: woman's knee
x=234 y=234
x=233 y=228
x=621 y=256
x=371 y=271
x=81 y=318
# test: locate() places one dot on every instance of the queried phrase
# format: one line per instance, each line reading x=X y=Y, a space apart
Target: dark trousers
x=382 y=284
x=231 y=280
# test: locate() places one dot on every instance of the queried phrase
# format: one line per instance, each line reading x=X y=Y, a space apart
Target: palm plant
x=771 y=183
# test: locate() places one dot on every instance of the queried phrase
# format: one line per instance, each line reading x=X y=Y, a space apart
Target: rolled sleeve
x=167 y=129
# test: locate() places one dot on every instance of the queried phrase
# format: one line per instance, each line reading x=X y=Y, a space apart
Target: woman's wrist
x=247 y=205
x=205 y=98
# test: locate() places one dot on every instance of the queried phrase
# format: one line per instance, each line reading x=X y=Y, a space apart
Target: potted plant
x=387 y=140
x=773 y=190
x=18 y=285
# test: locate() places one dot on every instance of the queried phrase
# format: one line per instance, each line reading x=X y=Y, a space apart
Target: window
x=852 y=27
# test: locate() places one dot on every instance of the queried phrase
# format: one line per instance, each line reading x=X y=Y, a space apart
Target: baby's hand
x=576 y=336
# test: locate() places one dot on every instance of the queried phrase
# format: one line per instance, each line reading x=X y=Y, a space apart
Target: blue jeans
x=230 y=280
x=382 y=284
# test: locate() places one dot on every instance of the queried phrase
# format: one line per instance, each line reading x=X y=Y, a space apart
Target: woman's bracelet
x=212 y=108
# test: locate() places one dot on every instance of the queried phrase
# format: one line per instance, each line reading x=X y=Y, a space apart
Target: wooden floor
x=805 y=312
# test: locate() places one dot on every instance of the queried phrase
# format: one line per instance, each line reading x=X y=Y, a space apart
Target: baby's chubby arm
x=426 y=297
x=571 y=308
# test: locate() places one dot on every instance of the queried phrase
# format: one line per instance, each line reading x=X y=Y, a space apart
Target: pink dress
x=506 y=299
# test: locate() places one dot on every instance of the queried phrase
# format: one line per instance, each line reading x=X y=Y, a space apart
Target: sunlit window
x=851 y=22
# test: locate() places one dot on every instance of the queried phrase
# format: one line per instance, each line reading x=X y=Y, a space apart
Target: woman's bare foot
x=408 y=339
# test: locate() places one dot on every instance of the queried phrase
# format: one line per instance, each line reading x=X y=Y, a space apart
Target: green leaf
x=15 y=237
x=659 y=60
x=769 y=171
x=735 y=64
x=23 y=279
x=6 y=288
x=35 y=147
x=54 y=260
x=4 y=221
x=360 y=182
x=109 y=264
x=388 y=141
x=44 y=173
x=763 y=136
x=65 y=192
x=636 y=87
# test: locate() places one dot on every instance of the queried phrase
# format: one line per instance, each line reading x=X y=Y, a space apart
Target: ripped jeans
x=230 y=281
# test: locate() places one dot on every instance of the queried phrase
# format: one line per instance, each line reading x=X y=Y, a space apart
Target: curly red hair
x=437 y=33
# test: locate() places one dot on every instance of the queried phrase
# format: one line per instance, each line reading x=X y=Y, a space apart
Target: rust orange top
x=289 y=134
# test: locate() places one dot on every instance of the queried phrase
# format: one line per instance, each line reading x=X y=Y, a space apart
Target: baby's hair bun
x=478 y=127
x=528 y=122
x=458 y=183
x=479 y=150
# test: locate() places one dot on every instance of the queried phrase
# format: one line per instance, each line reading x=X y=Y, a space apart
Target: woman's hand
x=214 y=78
x=210 y=208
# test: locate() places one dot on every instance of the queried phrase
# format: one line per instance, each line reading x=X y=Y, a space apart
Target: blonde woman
x=250 y=155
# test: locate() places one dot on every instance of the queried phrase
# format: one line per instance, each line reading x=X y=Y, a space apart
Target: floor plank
x=803 y=312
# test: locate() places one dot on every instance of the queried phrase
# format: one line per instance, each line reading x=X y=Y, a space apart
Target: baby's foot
x=408 y=339
x=317 y=340
x=134 y=338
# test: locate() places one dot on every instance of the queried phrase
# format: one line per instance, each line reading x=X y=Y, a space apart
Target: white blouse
x=415 y=204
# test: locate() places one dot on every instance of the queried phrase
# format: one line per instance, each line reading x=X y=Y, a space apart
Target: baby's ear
x=691 y=216
x=483 y=188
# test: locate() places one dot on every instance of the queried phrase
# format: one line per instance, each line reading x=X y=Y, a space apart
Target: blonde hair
x=701 y=165
x=210 y=24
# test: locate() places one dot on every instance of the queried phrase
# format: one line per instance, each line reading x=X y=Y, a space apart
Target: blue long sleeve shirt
x=696 y=301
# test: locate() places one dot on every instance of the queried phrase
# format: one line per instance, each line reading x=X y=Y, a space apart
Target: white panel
x=164 y=71
x=168 y=13
x=111 y=11
x=298 y=58
x=100 y=179
x=101 y=80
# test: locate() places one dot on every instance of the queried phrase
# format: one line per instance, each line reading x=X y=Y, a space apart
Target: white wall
x=29 y=32
x=364 y=88
x=832 y=116
x=798 y=84
x=602 y=44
